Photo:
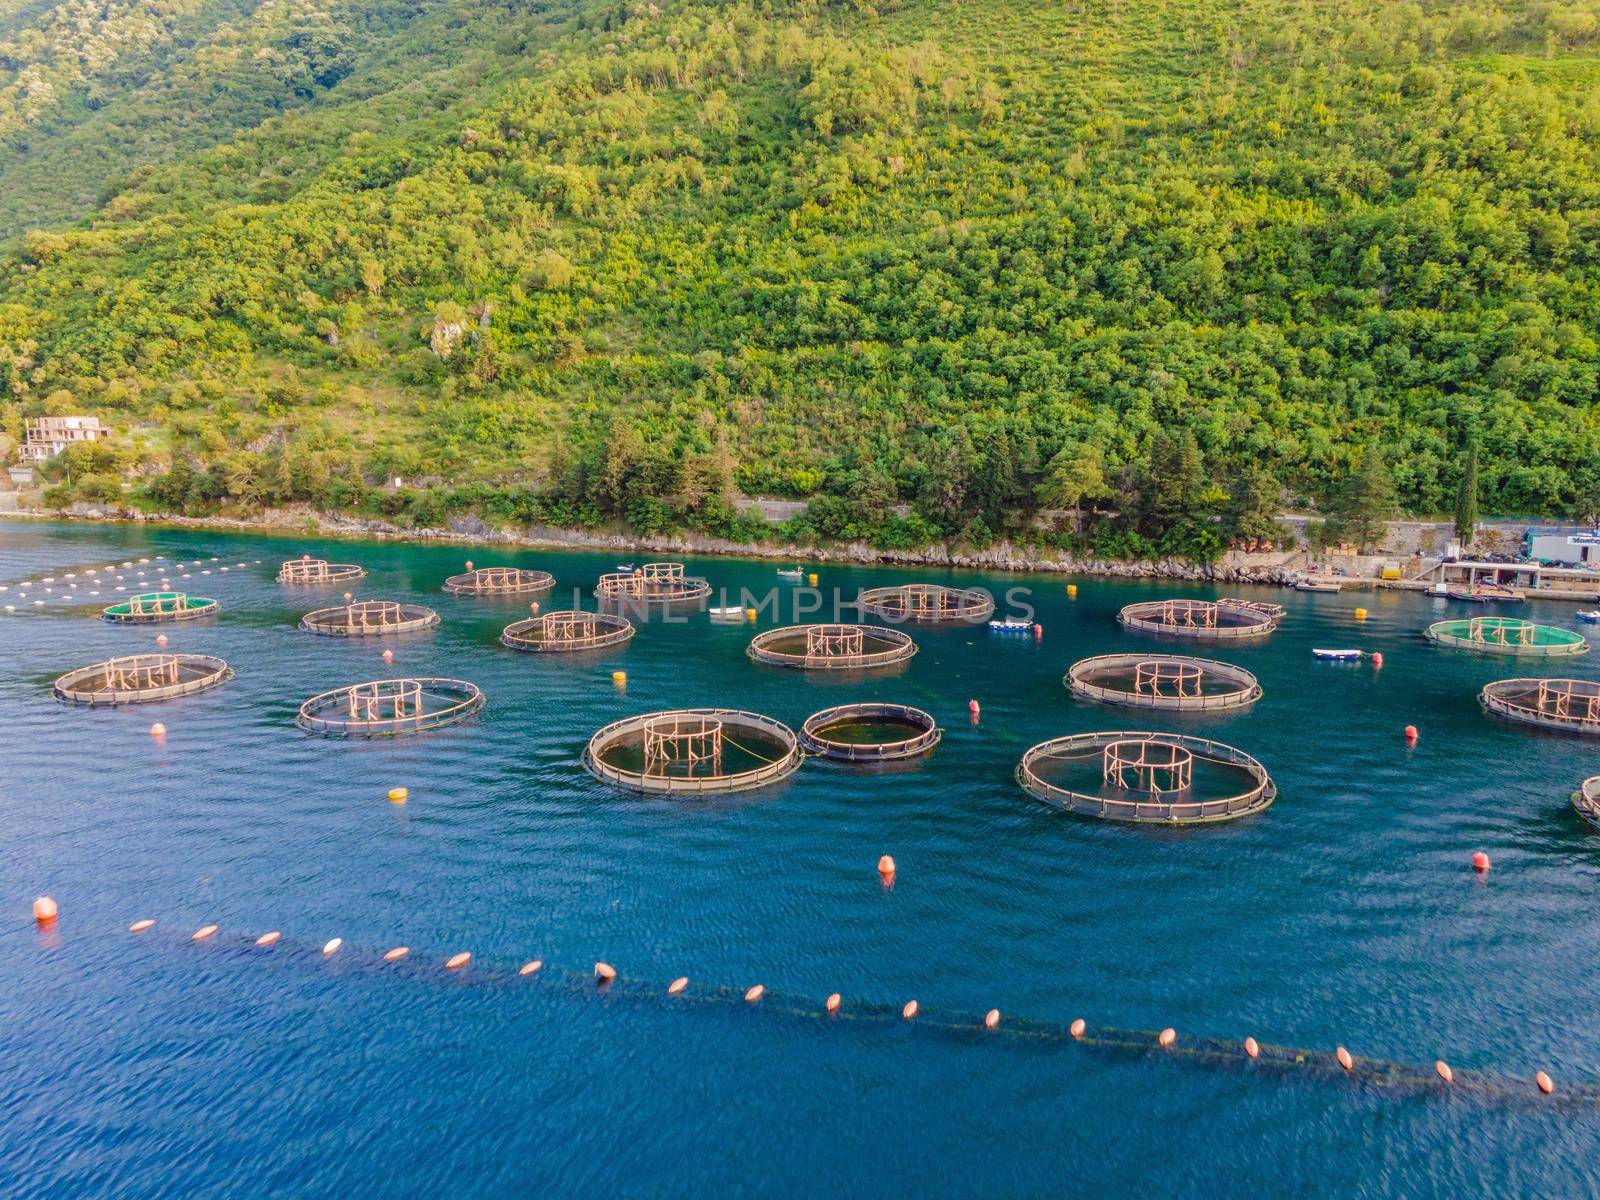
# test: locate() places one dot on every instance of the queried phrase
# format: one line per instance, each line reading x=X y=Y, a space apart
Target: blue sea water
x=1348 y=913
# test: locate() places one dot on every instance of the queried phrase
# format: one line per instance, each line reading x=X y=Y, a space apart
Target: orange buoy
x=331 y=946
x=528 y=968
x=269 y=939
x=910 y=1010
x=1546 y=1084
x=44 y=910
x=677 y=985
x=1480 y=862
x=1442 y=1069
x=348 y=596
x=456 y=961
x=140 y=926
x=1377 y=660
x=1166 y=1037
x=755 y=994
x=388 y=656
x=991 y=1018
x=1076 y=1028
x=158 y=730
x=1252 y=1047
x=469 y=564
x=886 y=866
x=604 y=972
x=161 y=639
x=1344 y=1058
x=534 y=608
x=1411 y=733
x=202 y=933
x=396 y=954
x=833 y=1002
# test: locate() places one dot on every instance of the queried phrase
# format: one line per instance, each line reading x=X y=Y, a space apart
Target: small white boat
x=625 y=568
x=790 y=573
x=1011 y=626
x=726 y=614
x=1589 y=616
x=1341 y=655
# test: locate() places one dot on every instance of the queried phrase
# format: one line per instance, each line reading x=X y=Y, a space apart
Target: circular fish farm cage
x=390 y=707
x=500 y=581
x=308 y=570
x=1569 y=705
x=1507 y=635
x=870 y=732
x=1146 y=778
x=700 y=751
x=831 y=647
x=1230 y=620
x=927 y=602
x=652 y=583
x=150 y=607
x=142 y=679
x=567 y=632
x=368 y=618
x=1586 y=800
x=1169 y=681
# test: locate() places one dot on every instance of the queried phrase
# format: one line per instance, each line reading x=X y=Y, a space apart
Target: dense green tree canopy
x=602 y=260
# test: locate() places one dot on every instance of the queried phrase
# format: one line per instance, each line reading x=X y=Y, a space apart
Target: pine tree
x=1467 y=498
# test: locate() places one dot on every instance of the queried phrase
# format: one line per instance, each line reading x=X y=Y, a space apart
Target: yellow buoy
x=812 y=579
x=749 y=614
x=1072 y=591
x=619 y=677
x=1361 y=614
x=398 y=795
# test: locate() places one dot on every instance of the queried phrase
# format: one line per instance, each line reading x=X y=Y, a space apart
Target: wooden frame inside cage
x=390 y=707
x=1568 y=705
x=1147 y=778
x=150 y=607
x=1165 y=681
x=1222 y=620
x=142 y=679
x=652 y=583
x=1507 y=635
x=831 y=647
x=369 y=618
x=567 y=631
x=500 y=581
x=927 y=603
x=315 y=571
x=683 y=751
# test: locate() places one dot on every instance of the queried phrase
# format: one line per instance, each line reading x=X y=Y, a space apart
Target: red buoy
x=44 y=910
x=1546 y=1084
x=1252 y=1047
x=886 y=866
x=1480 y=862
x=991 y=1018
x=910 y=1010
x=833 y=1002
x=1345 y=1060
x=1077 y=1027
x=1377 y=660
x=1411 y=733
x=604 y=972
x=1167 y=1037
x=972 y=707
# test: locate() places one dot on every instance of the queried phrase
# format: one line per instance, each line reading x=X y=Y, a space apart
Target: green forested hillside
x=597 y=261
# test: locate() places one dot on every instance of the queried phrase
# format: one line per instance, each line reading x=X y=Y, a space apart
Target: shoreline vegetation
x=1000 y=556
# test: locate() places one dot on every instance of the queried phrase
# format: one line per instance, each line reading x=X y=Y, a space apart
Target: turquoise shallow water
x=1347 y=913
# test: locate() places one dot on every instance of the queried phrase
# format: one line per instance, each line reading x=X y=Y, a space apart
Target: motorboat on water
x=1336 y=655
x=1011 y=625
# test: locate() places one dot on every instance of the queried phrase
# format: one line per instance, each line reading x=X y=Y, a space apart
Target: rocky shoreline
x=1263 y=570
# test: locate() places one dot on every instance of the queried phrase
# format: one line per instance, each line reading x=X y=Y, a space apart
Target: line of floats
x=603 y=979
x=1128 y=776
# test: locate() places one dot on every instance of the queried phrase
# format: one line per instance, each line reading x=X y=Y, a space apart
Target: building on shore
x=1563 y=547
x=46 y=437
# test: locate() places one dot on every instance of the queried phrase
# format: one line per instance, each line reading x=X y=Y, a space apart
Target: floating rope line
x=463 y=969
